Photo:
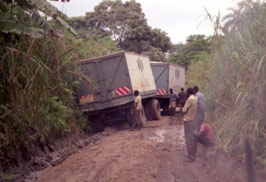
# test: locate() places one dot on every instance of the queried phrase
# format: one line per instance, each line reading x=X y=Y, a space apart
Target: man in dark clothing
x=182 y=98
x=201 y=107
x=172 y=104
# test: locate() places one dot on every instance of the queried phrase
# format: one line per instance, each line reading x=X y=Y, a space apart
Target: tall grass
x=36 y=97
x=234 y=82
x=37 y=92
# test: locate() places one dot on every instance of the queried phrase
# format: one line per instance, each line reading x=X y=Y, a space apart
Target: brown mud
x=52 y=155
x=155 y=153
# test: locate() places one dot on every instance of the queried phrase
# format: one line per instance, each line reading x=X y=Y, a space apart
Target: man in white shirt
x=137 y=111
x=190 y=110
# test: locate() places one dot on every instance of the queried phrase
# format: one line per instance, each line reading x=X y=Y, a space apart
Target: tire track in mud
x=172 y=162
x=155 y=153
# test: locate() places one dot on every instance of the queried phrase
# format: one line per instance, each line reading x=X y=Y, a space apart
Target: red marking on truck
x=86 y=98
x=161 y=91
x=123 y=91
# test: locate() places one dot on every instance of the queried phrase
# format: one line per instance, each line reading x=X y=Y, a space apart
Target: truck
x=166 y=76
x=107 y=84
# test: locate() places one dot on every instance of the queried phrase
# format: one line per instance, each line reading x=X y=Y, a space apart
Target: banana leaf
x=7 y=26
x=66 y=25
x=48 y=9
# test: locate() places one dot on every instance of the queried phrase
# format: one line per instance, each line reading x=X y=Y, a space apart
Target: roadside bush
x=234 y=83
x=37 y=91
x=36 y=102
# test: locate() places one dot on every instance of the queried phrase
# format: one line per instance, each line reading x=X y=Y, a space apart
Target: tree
x=234 y=20
x=15 y=16
x=126 y=23
x=86 y=27
x=118 y=17
x=176 y=47
x=195 y=46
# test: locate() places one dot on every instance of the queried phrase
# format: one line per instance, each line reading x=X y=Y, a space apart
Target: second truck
x=166 y=76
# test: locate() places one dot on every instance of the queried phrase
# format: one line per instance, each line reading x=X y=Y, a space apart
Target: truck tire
x=152 y=110
x=143 y=117
x=147 y=109
x=156 y=110
x=130 y=116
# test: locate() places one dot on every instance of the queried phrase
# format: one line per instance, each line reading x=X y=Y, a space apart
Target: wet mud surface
x=155 y=153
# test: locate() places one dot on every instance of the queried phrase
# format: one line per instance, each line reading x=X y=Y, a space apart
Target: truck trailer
x=107 y=86
x=166 y=76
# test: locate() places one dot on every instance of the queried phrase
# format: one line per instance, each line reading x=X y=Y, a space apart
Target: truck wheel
x=152 y=110
x=130 y=117
x=156 y=110
x=147 y=109
x=97 y=125
x=143 y=117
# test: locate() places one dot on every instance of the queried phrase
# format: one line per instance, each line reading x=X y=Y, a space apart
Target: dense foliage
x=37 y=90
x=195 y=48
x=125 y=23
x=37 y=93
x=233 y=80
x=15 y=17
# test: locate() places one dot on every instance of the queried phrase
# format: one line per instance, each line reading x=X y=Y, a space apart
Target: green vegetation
x=37 y=90
x=233 y=79
x=15 y=16
x=125 y=23
x=196 y=47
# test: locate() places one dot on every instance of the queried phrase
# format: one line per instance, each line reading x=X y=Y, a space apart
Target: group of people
x=181 y=98
x=192 y=106
x=196 y=130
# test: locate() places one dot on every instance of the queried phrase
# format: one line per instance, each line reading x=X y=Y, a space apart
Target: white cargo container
x=166 y=76
x=108 y=96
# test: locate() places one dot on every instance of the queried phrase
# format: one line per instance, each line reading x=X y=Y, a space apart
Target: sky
x=178 y=18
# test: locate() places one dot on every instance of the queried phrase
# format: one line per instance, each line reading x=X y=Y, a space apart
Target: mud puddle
x=155 y=153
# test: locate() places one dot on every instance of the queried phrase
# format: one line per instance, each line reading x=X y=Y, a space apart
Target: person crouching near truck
x=137 y=111
x=190 y=110
x=172 y=104
x=205 y=135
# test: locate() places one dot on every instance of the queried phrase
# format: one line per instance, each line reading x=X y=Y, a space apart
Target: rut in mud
x=155 y=153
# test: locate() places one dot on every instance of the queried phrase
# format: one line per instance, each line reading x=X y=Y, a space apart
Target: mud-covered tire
x=152 y=110
x=156 y=110
x=129 y=115
x=143 y=117
x=147 y=109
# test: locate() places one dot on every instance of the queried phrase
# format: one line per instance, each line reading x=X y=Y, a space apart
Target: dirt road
x=155 y=153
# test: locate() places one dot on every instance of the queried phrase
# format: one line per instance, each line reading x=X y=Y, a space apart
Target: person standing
x=182 y=98
x=137 y=111
x=201 y=107
x=172 y=104
x=190 y=110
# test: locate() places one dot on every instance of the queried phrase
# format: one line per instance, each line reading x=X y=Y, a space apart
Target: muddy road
x=155 y=153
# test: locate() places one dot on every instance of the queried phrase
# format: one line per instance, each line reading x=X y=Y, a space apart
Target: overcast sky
x=178 y=18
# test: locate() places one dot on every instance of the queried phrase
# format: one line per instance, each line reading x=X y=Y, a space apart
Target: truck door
x=161 y=77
